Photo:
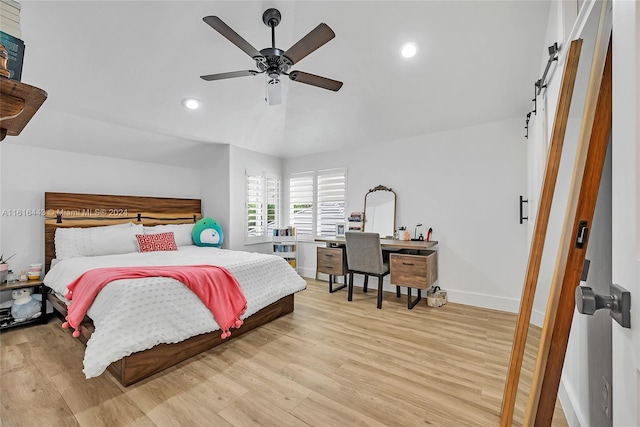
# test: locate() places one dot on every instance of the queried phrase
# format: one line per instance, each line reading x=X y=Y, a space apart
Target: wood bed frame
x=91 y=210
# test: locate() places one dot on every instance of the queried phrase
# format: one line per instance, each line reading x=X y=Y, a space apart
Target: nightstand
x=38 y=287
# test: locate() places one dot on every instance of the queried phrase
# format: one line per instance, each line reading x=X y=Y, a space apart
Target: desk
x=415 y=266
x=387 y=244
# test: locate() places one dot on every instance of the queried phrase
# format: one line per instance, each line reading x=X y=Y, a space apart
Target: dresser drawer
x=331 y=261
x=414 y=271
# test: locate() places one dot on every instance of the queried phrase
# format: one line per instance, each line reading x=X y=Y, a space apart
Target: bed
x=175 y=325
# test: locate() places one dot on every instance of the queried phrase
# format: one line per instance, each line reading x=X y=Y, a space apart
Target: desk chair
x=364 y=256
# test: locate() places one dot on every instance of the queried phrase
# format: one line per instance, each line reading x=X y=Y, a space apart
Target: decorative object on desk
x=403 y=234
x=436 y=297
x=429 y=234
x=24 y=307
x=340 y=229
x=23 y=276
x=415 y=233
x=355 y=221
x=406 y=235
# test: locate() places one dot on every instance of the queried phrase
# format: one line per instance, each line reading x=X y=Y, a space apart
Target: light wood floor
x=330 y=363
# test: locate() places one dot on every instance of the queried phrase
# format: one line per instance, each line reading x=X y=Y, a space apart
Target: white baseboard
x=537 y=318
x=493 y=302
x=568 y=400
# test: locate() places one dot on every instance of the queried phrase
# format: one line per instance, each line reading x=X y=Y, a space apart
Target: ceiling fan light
x=409 y=50
x=274 y=91
x=191 y=103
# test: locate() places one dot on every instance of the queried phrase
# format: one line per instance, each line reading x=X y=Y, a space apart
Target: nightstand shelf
x=39 y=288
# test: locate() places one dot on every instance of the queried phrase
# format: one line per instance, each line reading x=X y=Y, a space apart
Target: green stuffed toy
x=207 y=232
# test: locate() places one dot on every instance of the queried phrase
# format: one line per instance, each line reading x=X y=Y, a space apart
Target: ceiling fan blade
x=312 y=41
x=218 y=25
x=229 y=75
x=312 y=79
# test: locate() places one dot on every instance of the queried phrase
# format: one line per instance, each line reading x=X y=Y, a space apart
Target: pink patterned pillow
x=157 y=242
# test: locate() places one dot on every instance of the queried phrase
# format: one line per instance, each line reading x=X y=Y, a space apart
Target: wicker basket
x=436 y=297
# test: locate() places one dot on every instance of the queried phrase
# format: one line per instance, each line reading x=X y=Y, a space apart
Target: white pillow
x=182 y=232
x=91 y=241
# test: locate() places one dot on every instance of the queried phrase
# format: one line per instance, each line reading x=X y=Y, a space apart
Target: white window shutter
x=301 y=204
x=254 y=206
x=272 y=202
x=332 y=194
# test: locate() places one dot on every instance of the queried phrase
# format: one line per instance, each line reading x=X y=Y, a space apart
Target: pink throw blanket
x=214 y=285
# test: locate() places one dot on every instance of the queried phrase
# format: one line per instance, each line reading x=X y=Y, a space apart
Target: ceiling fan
x=274 y=62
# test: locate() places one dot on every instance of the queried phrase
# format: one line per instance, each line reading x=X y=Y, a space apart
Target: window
x=317 y=202
x=301 y=197
x=262 y=191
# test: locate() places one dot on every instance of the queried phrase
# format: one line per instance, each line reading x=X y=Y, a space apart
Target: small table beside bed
x=138 y=327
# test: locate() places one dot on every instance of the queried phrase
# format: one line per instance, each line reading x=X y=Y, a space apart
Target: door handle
x=618 y=303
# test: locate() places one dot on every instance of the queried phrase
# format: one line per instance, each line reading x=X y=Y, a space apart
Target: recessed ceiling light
x=409 y=50
x=191 y=103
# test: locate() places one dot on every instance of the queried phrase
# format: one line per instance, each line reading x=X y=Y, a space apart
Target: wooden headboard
x=91 y=210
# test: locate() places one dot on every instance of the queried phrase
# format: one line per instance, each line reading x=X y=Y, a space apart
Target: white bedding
x=136 y=314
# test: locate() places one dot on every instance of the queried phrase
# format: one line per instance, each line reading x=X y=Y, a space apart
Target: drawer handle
x=329 y=255
x=407 y=263
x=328 y=266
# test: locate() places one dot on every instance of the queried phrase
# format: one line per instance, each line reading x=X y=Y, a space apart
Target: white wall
x=626 y=203
x=219 y=183
x=27 y=173
x=241 y=159
x=214 y=185
x=464 y=184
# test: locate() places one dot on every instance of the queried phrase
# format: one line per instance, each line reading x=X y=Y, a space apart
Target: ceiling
x=116 y=73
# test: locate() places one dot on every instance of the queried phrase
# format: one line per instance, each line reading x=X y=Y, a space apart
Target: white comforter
x=136 y=314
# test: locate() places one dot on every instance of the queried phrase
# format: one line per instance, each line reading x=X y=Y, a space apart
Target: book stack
x=355 y=221
x=289 y=231
x=10 y=37
x=10 y=17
